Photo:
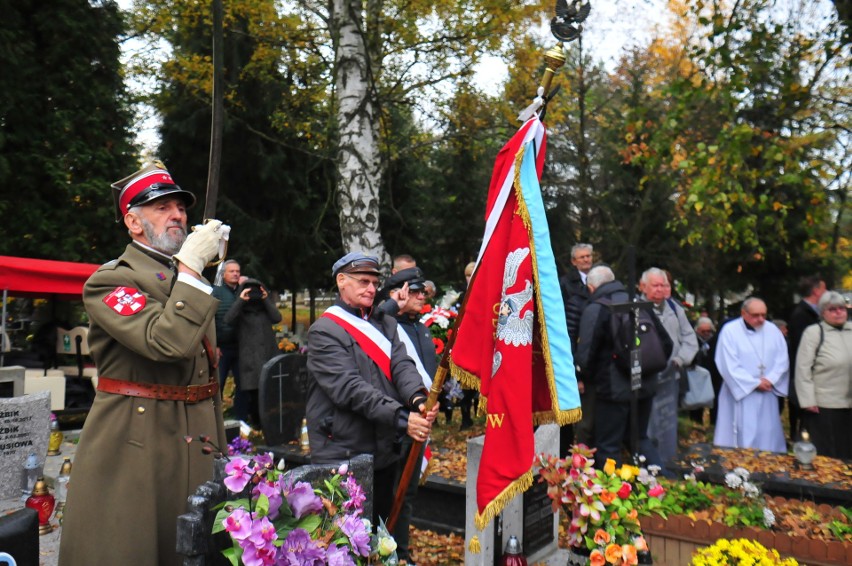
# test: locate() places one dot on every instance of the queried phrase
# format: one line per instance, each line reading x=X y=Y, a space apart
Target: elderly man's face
x=357 y=290
x=755 y=314
x=705 y=331
x=231 y=275
x=657 y=288
x=582 y=260
x=160 y=224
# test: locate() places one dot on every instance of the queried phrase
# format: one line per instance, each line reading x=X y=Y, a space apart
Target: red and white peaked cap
x=149 y=183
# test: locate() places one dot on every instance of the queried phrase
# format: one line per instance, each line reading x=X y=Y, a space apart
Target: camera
x=255 y=293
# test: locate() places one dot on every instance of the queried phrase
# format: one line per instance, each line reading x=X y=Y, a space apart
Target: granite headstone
x=662 y=427
x=282 y=395
x=24 y=430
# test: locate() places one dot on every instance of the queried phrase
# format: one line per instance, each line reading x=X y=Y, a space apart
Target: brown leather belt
x=185 y=393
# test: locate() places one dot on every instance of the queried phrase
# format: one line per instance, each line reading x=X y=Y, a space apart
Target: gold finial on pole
x=554 y=58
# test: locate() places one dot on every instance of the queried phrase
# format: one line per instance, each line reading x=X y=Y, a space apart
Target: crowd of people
x=164 y=340
x=755 y=367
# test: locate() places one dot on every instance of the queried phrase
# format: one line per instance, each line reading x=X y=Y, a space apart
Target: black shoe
x=466 y=424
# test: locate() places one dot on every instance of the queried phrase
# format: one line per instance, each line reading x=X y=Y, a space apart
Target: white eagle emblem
x=511 y=328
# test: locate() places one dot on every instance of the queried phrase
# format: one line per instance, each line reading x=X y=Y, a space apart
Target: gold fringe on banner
x=473 y=546
x=499 y=503
x=466 y=378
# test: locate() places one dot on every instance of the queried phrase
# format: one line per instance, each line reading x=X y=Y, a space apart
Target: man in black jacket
x=418 y=342
x=364 y=391
x=612 y=386
x=804 y=314
x=575 y=295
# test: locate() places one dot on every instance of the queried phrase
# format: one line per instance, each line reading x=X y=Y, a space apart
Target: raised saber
x=217 y=117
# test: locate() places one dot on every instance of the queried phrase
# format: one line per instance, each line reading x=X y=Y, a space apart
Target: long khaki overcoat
x=133 y=470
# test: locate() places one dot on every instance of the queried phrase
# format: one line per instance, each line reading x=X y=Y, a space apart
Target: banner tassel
x=474 y=545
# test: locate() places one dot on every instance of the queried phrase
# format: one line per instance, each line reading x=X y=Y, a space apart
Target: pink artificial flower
x=239 y=474
x=625 y=490
x=262 y=532
x=657 y=491
x=238 y=524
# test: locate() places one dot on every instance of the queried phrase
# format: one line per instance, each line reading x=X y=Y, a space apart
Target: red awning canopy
x=43 y=277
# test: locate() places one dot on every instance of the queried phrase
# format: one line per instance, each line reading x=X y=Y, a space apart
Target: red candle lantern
x=43 y=502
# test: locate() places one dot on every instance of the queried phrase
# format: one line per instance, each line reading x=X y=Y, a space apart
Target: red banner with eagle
x=512 y=342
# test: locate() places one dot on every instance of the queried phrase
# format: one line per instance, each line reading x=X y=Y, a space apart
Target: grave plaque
x=538 y=518
x=662 y=427
x=24 y=430
x=282 y=395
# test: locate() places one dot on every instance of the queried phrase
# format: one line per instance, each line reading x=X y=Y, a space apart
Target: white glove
x=203 y=245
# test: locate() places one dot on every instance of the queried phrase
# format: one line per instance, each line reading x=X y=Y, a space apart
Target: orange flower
x=596 y=558
x=601 y=537
x=607 y=497
x=613 y=554
x=641 y=544
x=614 y=515
x=632 y=514
x=628 y=554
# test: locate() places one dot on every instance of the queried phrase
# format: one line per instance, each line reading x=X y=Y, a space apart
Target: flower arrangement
x=275 y=521
x=287 y=345
x=603 y=504
x=739 y=551
x=439 y=319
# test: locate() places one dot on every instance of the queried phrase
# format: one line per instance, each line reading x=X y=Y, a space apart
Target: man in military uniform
x=153 y=339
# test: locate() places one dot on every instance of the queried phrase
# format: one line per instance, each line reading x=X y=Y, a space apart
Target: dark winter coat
x=422 y=340
x=575 y=295
x=226 y=334
x=253 y=320
x=595 y=346
x=802 y=316
x=352 y=408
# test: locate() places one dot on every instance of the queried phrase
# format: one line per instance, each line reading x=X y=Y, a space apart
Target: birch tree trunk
x=359 y=163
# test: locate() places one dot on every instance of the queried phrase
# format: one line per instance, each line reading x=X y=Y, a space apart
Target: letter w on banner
x=512 y=343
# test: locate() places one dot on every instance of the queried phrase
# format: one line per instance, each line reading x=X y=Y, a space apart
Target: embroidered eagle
x=513 y=329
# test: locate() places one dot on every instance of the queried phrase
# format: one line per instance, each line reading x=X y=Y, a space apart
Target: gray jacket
x=824 y=377
x=684 y=339
x=352 y=408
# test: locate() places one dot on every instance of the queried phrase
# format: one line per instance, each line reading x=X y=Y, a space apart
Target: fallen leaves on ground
x=429 y=548
x=826 y=471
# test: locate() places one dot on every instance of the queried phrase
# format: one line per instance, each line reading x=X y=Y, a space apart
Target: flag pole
x=431 y=401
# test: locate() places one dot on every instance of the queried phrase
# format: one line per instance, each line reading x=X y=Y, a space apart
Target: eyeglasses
x=836 y=308
x=364 y=283
x=417 y=291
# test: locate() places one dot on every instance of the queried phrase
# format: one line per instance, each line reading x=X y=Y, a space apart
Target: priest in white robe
x=752 y=359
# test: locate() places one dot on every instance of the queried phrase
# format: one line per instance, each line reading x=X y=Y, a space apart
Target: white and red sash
x=412 y=353
x=372 y=341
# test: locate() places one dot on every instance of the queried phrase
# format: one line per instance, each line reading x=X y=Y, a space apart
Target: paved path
x=49 y=543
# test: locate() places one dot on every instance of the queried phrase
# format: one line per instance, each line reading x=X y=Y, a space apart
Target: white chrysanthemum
x=732 y=480
x=442 y=321
x=742 y=472
x=689 y=477
x=750 y=489
x=654 y=469
x=768 y=517
x=644 y=477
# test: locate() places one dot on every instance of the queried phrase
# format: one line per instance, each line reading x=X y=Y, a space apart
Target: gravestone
x=282 y=395
x=662 y=427
x=12 y=380
x=24 y=430
x=536 y=527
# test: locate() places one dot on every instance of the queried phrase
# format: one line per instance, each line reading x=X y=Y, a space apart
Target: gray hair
x=831 y=299
x=704 y=320
x=599 y=275
x=748 y=302
x=577 y=247
x=653 y=271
